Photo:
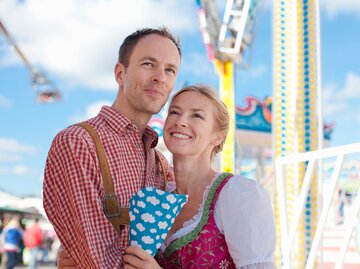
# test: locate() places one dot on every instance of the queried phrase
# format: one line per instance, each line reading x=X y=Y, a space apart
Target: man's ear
x=119 y=70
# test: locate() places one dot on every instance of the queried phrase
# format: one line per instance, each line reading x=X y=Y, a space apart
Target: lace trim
x=198 y=215
x=190 y=224
x=182 y=241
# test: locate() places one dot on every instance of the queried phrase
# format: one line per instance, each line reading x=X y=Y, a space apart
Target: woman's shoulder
x=240 y=190
x=242 y=184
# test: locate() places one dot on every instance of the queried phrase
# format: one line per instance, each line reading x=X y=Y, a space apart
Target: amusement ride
x=45 y=89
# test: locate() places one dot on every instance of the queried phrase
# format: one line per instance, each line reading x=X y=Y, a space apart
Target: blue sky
x=76 y=42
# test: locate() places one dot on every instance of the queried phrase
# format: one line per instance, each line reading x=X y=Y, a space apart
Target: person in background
x=2 y=225
x=11 y=239
x=146 y=71
x=228 y=220
x=33 y=240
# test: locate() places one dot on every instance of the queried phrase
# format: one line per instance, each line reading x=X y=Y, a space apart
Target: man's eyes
x=148 y=64
x=171 y=70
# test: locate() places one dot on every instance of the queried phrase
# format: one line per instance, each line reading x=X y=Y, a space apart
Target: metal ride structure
x=44 y=88
x=297 y=122
x=227 y=44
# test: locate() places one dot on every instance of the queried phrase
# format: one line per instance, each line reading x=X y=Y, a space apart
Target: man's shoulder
x=72 y=131
x=72 y=134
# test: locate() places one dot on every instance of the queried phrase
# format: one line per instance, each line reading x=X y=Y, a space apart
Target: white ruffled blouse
x=243 y=213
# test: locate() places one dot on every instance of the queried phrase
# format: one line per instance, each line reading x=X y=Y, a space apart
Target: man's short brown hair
x=131 y=40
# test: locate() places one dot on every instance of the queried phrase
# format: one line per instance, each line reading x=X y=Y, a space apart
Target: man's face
x=146 y=83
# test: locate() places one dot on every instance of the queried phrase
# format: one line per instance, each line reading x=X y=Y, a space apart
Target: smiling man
x=73 y=190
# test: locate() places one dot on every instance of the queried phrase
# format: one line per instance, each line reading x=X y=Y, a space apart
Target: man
x=146 y=71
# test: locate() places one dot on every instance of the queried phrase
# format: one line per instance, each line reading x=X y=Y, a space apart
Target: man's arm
x=72 y=201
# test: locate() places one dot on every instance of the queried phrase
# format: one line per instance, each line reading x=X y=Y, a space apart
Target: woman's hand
x=138 y=258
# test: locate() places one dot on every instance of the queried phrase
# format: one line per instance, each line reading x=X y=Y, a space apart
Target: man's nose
x=159 y=75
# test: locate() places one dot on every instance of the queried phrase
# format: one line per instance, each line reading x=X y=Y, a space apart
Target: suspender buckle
x=111 y=205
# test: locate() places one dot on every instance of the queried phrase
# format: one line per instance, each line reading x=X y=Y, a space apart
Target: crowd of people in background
x=25 y=242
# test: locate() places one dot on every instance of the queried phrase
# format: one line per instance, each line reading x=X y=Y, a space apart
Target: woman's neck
x=192 y=177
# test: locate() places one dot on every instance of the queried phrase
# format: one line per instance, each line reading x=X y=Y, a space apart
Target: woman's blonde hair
x=221 y=112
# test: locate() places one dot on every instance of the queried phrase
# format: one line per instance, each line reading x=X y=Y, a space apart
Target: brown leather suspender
x=116 y=215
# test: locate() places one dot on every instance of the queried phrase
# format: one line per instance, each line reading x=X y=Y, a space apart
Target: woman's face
x=189 y=128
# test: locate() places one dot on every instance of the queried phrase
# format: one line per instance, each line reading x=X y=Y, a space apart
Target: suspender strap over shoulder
x=157 y=157
x=116 y=215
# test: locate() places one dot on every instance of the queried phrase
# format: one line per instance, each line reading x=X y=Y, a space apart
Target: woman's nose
x=181 y=121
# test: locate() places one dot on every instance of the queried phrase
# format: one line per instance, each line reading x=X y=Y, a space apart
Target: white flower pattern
x=152 y=213
x=224 y=264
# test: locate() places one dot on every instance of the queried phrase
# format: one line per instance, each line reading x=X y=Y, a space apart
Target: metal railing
x=288 y=230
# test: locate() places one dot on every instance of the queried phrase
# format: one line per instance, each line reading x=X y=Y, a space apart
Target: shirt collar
x=120 y=124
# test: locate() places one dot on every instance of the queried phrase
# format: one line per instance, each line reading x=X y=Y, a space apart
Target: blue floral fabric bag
x=152 y=213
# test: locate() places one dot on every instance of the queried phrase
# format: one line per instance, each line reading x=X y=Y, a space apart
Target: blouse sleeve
x=243 y=213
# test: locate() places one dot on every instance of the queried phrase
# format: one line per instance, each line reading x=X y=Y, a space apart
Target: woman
x=228 y=220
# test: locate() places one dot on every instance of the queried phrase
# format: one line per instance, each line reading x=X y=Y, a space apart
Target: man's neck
x=139 y=120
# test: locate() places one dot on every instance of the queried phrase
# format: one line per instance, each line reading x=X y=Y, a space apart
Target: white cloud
x=13 y=157
x=13 y=151
x=336 y=7
x=78 y=40
x=193 y=61
x=21 y=170
x=257 y=71
x=332 y=100
x=352 y=86
x=336 y=99
x=5 y=102
x=17 y=170
x=10 y=145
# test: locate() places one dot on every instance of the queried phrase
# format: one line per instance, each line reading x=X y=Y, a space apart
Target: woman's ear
x=219 y=138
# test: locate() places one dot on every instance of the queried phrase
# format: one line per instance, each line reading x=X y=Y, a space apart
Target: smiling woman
x=206 y=233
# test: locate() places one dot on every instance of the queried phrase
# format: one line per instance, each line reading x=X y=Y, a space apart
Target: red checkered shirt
x=73 y=189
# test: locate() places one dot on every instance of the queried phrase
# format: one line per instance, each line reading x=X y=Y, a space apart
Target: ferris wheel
x=45 y=89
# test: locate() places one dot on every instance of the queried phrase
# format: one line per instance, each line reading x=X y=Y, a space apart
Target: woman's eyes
x=197 y=115
x=194 y=115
